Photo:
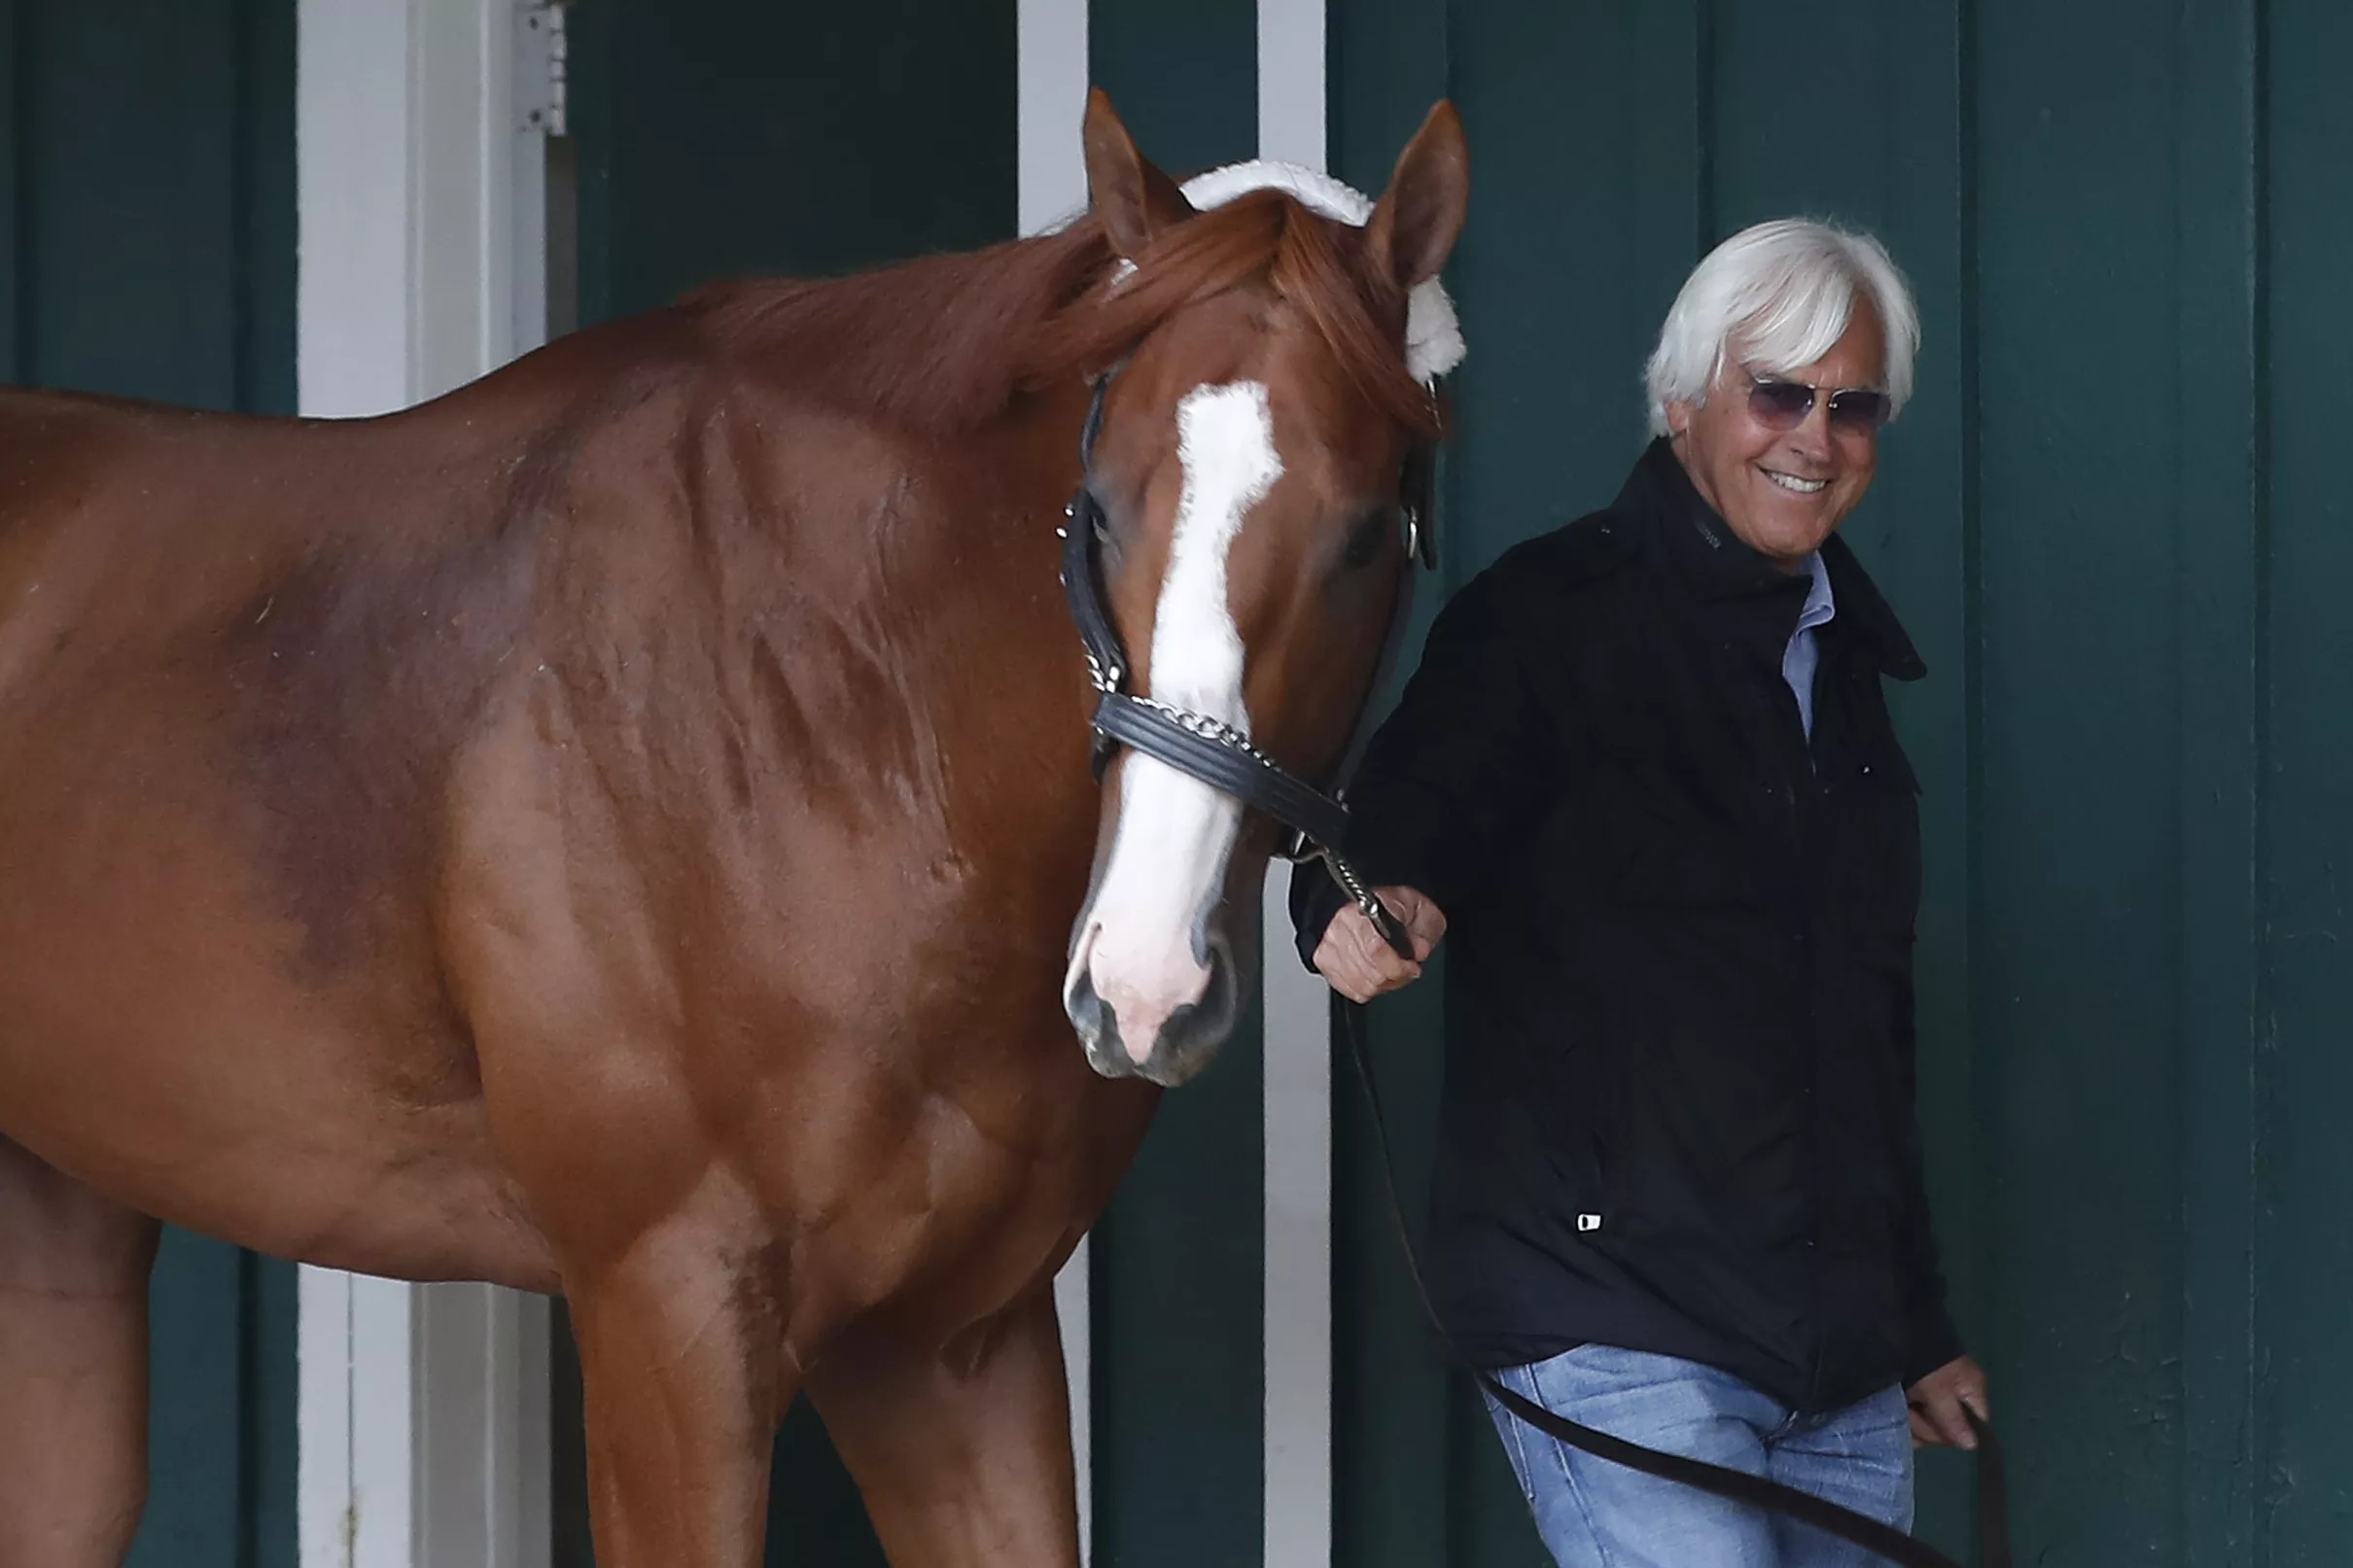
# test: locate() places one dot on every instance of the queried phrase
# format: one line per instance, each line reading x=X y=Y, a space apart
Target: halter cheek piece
x=1206 y=749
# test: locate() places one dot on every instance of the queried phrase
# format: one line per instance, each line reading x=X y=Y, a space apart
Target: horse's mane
x=947 y=342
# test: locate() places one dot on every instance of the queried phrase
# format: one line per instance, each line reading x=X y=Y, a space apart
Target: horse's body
x=406 y=753
x=615 y=829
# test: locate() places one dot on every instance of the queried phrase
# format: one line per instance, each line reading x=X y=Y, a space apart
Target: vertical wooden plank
x=2076 y=1016
x=1921 y=540
x=268 y=1442
x=568 y=1544
x=815 y=1513
x=94 y=113
x=13 y=192
x=196 y=1381
x=595 y=65
x=264 y=172
x=1182 y=76
x=1569 y=261
x=1386 y=61
x=2223 y=542
x=723 y=137
x=2304 y=1160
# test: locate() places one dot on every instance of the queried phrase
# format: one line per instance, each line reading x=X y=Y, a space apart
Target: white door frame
x=422 y=1410
x=1296 y=1008
x=1050 y=95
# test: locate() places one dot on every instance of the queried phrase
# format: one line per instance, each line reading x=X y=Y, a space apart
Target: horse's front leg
x=680 y=1370
x=962 y=1451
x=73 y=1368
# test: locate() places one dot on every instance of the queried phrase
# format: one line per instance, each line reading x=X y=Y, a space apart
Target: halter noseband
x=1209 y=750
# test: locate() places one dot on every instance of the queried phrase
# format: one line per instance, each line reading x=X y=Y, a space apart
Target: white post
x=1049 y=102
x=1298 y=1264
x=422 y=1410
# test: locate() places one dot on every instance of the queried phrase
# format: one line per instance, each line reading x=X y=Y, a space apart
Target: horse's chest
x=968 y=1191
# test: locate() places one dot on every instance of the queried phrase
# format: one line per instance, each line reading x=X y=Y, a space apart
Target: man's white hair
x=1776 y=299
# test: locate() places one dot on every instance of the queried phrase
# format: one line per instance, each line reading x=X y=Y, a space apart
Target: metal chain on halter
x=1211 y=729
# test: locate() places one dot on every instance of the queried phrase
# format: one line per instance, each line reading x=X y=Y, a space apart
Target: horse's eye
x=1364 y=537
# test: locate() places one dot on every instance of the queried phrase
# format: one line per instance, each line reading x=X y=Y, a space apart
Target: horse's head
x=1280 y=336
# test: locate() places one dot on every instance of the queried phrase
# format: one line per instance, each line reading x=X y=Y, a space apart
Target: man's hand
x=1937 y=1401
x=1359 y=964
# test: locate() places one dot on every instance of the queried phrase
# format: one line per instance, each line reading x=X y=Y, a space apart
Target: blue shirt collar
x=1820 y=606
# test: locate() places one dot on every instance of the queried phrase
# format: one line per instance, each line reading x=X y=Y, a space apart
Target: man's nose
x=1812 y=435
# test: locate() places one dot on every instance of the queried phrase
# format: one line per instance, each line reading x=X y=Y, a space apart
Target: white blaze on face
x=1169 y=851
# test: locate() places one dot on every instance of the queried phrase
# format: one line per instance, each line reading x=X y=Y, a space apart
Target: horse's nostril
x=1145 y=987
x=1195 y=1031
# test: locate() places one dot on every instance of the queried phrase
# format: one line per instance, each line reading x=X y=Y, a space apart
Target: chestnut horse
x=626 y=828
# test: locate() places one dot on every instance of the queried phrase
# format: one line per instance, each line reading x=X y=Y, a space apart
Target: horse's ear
x=1134 y=199
x=1419 y=217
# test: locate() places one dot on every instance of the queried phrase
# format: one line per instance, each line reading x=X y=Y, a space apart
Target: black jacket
x=1678 y=1108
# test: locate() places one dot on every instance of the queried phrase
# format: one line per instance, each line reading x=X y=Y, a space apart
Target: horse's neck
x=939 y=344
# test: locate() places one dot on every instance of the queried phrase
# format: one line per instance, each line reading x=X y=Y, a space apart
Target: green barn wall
x=2112 y=521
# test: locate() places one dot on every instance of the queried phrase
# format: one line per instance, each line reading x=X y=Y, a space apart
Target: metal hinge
x=541 y=68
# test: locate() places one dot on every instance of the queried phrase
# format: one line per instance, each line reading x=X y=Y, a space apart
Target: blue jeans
x=1593 y=1514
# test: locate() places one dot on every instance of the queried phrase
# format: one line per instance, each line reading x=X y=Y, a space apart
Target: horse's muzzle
x=1184 y=1031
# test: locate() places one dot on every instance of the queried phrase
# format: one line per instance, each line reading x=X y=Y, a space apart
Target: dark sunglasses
x=1784 y=404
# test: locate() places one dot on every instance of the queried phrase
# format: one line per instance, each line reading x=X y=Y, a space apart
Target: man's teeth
x=1790 y=481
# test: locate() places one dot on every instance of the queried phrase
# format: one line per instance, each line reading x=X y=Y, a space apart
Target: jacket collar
x=1868 y=615
x=1712 y=562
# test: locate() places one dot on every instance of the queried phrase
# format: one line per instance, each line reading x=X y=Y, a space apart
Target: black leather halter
x=1209 y=750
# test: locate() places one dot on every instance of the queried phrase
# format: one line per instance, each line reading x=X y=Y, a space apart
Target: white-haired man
x=1646 y=777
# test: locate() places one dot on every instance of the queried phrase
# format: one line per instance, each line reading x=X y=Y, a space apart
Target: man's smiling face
x=1783 y=492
